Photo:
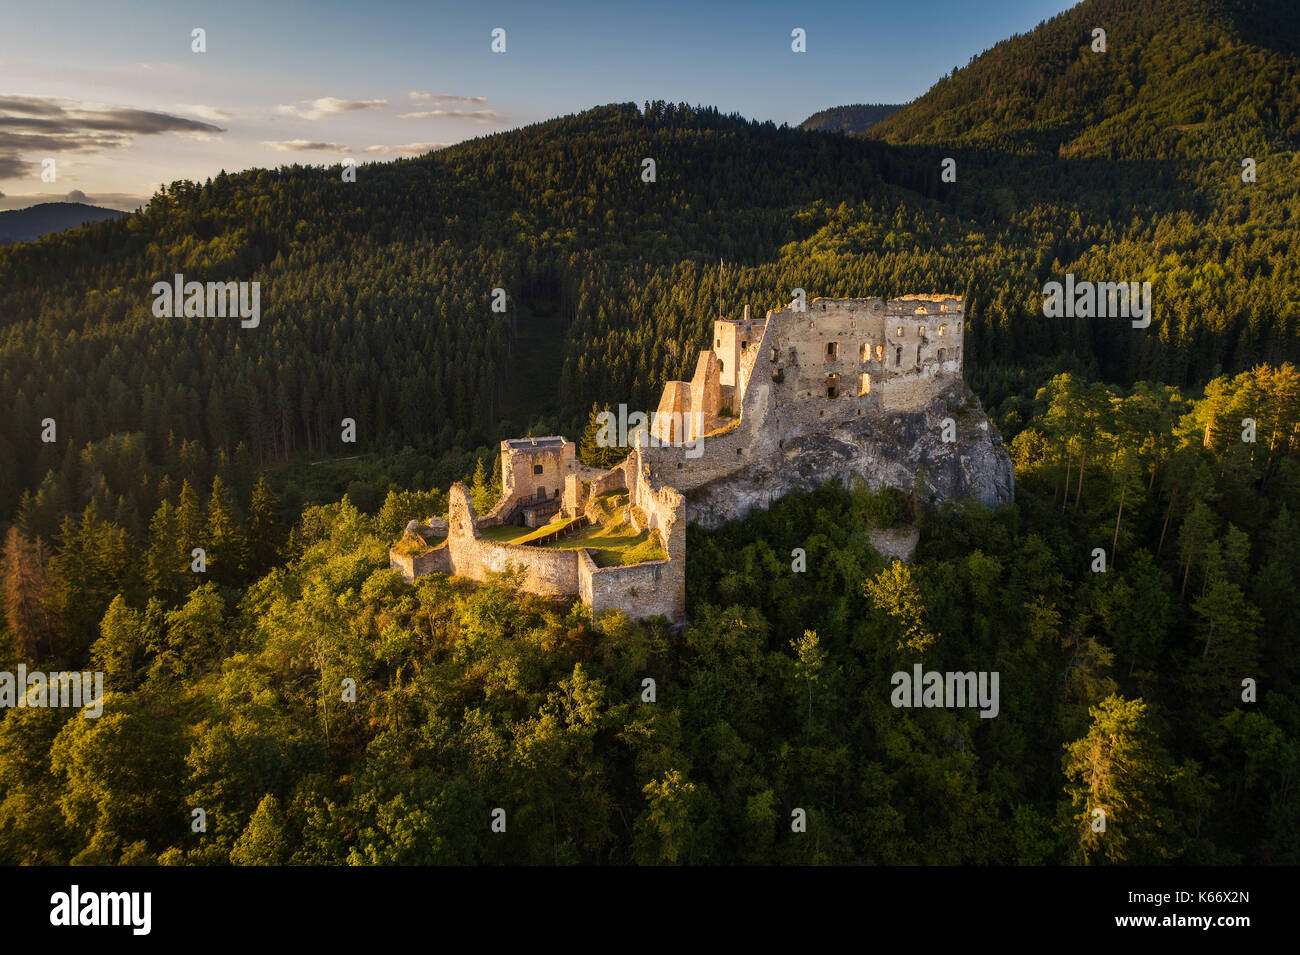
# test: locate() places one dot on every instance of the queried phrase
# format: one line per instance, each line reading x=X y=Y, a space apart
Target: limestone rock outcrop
x=895 y=448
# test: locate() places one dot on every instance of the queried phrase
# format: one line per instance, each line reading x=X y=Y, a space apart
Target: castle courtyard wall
x=797 y=373
x=651 y=589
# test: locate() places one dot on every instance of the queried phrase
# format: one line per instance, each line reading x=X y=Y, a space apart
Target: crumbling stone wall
x=553 y=572
x=826 y=374
x=640 y=590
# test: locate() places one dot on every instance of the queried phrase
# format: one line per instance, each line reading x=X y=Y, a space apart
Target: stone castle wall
x=552 y=572
x=863 y=351
x=829 y=372
x=640 y=590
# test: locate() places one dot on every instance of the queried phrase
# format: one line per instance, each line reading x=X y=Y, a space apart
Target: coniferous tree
x=167 y=559
x=265 y=533
x=26 y=594
x=226 y=547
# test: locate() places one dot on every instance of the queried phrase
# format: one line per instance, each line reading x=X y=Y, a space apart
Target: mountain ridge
x=32 y=222
x=1186 y=78
x=857 y=118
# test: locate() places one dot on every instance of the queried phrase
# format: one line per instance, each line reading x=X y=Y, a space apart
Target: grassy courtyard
x=614 y=545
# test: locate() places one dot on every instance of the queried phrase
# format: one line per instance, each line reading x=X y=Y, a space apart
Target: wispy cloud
x=408 y=149
x=446 y=99
x=307 y=145
x=50 y=125
x=477 y=115
x=207 y=112
x=329 y=106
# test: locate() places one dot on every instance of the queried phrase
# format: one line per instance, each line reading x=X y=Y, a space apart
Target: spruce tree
x=265 y=535
x=227 y=559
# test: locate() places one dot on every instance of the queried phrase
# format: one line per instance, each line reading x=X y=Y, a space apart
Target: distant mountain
x=23 y=225
x=849 y=119
x=1178 y=78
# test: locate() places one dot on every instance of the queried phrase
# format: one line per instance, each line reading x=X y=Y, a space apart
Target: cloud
x=409 y=149
x=207 y=112
x=306 y=145
x=446 y=98
x=477 y=115
x=48 y=125
x=11 y=167
x=330 y=106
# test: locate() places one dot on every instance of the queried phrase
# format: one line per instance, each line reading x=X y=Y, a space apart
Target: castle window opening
x=900 y=331
x=832 y=386
x=720 y=366
x=541 y=493
x=864 y=353
x=772 y=356
x=864 y=383
x=744 y=345
x=941 y=355
x=537 y=469
x=918 y=354
x=942 y=329
x=832 y=351
x=880 y=353
x=898 y=356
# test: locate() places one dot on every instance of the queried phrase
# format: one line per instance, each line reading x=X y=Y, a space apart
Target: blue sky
x=114 y=95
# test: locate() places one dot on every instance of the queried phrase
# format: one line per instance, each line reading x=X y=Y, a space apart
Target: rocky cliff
x=892 y=448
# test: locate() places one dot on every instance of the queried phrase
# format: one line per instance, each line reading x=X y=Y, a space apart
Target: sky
x=111 y=99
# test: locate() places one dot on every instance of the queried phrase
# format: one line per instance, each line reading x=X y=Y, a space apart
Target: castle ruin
x=834 y=388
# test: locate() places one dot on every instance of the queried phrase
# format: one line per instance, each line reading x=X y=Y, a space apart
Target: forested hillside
x=1121 y=688
x=848 y=119
x=376 y=306
x=1178 y=78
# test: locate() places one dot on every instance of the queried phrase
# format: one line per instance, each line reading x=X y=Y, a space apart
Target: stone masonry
x=848 y=389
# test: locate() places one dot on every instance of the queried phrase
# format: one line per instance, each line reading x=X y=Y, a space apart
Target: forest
x=320 y=711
